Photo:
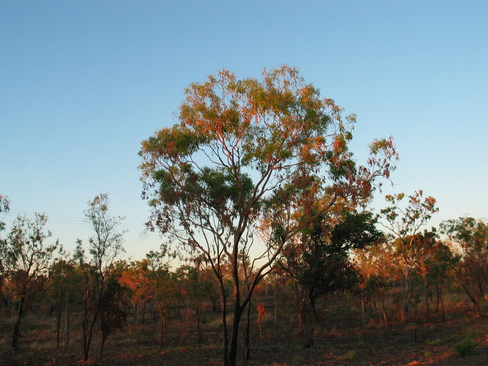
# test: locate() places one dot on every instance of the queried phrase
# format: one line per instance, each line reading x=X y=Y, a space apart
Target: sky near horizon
x=82 y=83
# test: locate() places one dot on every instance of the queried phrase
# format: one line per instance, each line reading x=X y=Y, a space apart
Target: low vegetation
x=343 y=337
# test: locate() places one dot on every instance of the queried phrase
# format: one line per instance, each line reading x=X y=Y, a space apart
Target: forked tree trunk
x=87 y=337
x=88 y=329
x=474 y=300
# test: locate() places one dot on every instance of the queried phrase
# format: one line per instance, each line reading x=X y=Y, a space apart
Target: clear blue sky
x=83 y=82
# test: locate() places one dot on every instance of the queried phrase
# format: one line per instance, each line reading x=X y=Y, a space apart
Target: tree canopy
x=244 y=150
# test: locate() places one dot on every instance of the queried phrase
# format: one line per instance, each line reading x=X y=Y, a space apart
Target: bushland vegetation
x=278 y=249
x=161 y=311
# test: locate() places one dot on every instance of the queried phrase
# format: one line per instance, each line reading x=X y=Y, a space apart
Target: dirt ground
x=430 y=343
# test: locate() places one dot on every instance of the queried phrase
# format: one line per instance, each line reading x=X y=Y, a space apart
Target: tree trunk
x=477 y=309
x=247 y=351
x=361 y=298
x=427 y=304
x=198 y=308
x=437 y=297
x=164 y=327
x=105 y=328
x=407 y=293
x=143 y=310
x=301 y=313
x=66 y=323
x=238 y=310
x=16 y=334
x=87 y=337
x=58 y=320
x=310 y=325
x=443 y=309
x=383 y=310
x=474 y=300
x=88 y=330
x=224 y=323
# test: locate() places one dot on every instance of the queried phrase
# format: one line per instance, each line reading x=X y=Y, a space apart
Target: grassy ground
x=340 y=340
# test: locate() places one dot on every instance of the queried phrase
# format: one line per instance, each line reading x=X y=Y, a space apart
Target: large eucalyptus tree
x=229 y=163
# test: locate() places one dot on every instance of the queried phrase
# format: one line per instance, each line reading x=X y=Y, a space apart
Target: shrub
x=349 y=356
x=466 y=347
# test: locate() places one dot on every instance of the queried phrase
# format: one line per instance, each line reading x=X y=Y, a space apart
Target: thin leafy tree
x=4 y=208
x=164 y=288
x=104 y=247
x=238 y=143
x=194 y=293
x=113 y=313
x=404 y=222
x=439 y=268
x=135 y=278
x=378 y=268
x=471 y=237
x=26 y=258
x=64 y=284
x=320 y=262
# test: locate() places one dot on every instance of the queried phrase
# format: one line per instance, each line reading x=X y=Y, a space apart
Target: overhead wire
x=76 y=220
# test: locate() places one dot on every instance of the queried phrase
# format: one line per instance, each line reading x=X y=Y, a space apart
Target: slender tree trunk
x=247 y=351
x=361 y=297
x=143 y=310
x=84 y=327
x=105 y=328
x=66 y=322
x=238 y=310
x=20 y=313
x=58 y=319
x=135 y=309
x=477 y=309
x=407 y=293
x=474 y=300
x=275 y=311
x=383 y=309
x=415 y=322
x=301 y=313
x=224 y=323
x=437 y=297
x=88 y=328
x=443 y=309
x=310 y=325
x=199 y=329
x=164 y=327
x=427 y=305
x=87 y=336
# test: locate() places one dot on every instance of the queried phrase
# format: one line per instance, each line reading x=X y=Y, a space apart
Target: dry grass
x=341 y=339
